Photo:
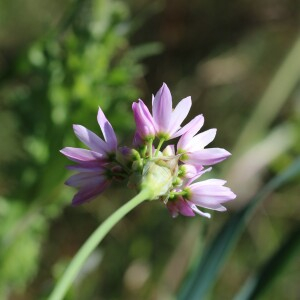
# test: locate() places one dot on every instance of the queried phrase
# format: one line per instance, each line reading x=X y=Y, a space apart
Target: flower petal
x=87 y=193
x=82 y=155
x=85 y=179
x=90 y=139
x=210 y=194
x=198 y=211
x=184 y=208
x=199 y=141
x=188 y=131
x=90 y=167
x=162 y=109
x=179 y=114
x=169 y=150
x=107 y=130
x=208 y=156
x=143 y=119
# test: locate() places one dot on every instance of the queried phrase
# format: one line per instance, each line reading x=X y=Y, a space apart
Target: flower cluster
x=169 y=172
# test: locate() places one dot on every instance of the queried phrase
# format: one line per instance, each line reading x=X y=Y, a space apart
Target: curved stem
x=150 y=143
x=161 y=141
x=97 y=236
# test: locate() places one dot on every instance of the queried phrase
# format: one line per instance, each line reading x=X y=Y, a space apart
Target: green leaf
x=258 y=283
x=207 y=268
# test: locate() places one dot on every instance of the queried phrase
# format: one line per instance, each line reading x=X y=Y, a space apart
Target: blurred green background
x=60 y=60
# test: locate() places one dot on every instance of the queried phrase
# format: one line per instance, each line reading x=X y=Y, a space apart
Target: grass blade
x=203 y=275
x=258 y=283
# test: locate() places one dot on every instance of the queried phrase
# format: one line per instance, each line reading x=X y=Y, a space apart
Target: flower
x=164 y=122
x=144 y=121
x=166 y=173
x=93 y=176
x=101 y=151
x=210 y=194
x=192 y=146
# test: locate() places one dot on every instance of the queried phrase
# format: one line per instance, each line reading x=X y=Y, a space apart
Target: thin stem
x=144 y=151
x=161 y=141
x=91 y=243
x=137 y=156
x=150 y=143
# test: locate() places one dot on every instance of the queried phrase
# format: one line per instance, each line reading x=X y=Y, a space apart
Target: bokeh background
x=60 y=60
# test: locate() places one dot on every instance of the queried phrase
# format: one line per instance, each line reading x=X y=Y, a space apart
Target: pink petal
x=171 y=206
x=179 y=114
x=199 y=141
x=190 y=171
x=208 y=156
x=214 y=182
x=143 y=119
x=184 y=208
x=107 y=130
x=210 y=196
x=162 y=109
x=199 y=173
x=198 y=211
x=207 y=202
x=82 y=155
x=188 y=131
x=90 y=139
x=169 y=150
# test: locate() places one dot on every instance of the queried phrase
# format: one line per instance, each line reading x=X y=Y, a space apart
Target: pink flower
x=210 y=194
x=168 y=173
x=101 y=150
x=192 y=145
x=164 y=121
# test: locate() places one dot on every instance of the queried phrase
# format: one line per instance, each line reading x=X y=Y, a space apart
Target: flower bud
x=158 y=176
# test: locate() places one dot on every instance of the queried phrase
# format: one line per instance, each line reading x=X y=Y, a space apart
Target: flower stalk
x=93 y=241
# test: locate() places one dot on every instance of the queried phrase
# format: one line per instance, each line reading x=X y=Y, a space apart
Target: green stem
x=150 y=143
x=161 y=141
x=97 y=236
x=137 y=156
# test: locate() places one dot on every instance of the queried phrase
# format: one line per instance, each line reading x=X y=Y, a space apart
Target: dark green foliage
x=83 y=62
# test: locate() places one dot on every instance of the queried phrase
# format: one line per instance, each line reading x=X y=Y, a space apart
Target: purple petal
x=208 y=156
x=107 y=130
x=82 y=155
x=85 y=179
x=143 y=119
x=184 y=208
x=162 y=109
x=137 y=140
x=87 y=193
x=91 y=167
x=90 y=139
x=179 y=114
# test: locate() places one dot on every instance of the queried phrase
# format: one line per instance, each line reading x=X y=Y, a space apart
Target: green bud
x=159 y=175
